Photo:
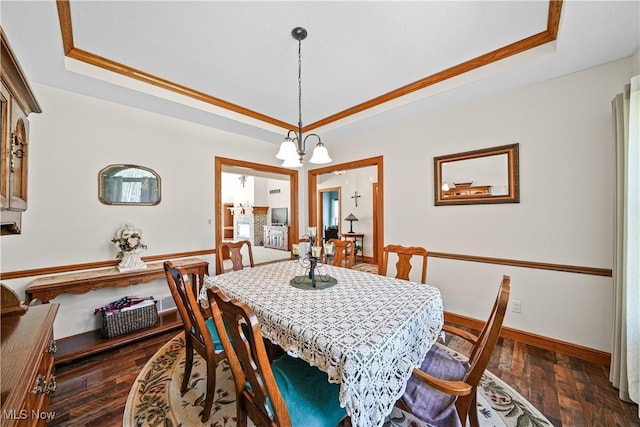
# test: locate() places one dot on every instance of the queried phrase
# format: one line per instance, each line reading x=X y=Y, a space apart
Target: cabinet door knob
x=52 y=385
x=18 y=144
x=41 y=384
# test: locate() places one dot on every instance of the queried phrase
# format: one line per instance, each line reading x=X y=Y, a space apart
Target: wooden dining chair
x=199 y=334
x=286 y=392
x=443 y=390
x=403 y=266
x=233 y=251
x=345 y=253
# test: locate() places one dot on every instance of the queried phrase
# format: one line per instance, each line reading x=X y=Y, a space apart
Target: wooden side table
x=47 y=288
x=480 y=190
x=355 y=237
x=91 y=342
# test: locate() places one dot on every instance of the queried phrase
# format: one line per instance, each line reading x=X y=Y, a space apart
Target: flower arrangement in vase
x=129 y=243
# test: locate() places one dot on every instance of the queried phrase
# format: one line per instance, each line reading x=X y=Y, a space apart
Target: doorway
x=372 y=209
x=226 y=166
x=330 y=212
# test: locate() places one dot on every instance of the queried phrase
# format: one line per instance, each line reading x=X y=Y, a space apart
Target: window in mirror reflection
x=128 y=185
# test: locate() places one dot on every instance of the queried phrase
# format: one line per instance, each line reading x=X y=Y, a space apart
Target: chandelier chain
x=300 y=88
x=293 y=142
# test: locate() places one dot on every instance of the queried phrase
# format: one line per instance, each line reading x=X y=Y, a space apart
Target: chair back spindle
x=444 y=389
x=198 y=335
x=234 y=249
x=258 y=393
x=345 y=253
x=283 y=393
x=403 y=266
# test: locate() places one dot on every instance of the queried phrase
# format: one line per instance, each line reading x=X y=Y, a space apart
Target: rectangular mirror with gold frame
x=489 y=175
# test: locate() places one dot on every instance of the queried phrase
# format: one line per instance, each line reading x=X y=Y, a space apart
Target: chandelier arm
x=311 y=134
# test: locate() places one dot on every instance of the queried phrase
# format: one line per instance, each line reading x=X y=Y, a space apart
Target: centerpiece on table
x=309 y=256
x=128 y=241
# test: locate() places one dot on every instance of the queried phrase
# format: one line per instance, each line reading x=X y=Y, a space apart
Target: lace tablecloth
x=367 y=332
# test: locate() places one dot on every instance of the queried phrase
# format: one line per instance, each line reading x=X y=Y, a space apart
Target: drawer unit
x=27 y=366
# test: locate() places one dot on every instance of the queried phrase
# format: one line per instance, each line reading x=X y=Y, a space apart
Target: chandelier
x=293 y=149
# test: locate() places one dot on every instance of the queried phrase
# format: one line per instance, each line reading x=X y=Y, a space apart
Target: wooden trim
x=260 y=210
x=549 y=35
x=585 y=353
x=66 y=29
x=49 y=287
x=553 y=19
x=6 y=275
x=312 y=180
x=546 y=36
x=14 y=78
x=526 y=264
x=293 y=193
x=151 y=79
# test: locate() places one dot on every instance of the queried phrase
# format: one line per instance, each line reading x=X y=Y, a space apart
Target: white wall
x=355 y=180
x=278 y=200
x=65 y=224
x=565 y=215
x=564 y=127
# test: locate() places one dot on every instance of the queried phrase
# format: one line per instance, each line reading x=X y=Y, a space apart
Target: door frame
x=378 y=201
x=293 y=193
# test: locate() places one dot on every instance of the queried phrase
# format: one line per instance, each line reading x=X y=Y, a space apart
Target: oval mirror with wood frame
x=122 y=184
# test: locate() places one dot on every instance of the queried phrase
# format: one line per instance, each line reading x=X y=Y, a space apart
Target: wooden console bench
x=47 y=288
x=76 y=346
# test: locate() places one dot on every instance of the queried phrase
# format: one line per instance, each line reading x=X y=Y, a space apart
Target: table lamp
x=351 y=218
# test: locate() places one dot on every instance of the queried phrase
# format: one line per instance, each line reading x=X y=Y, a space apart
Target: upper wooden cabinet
x=18 y=102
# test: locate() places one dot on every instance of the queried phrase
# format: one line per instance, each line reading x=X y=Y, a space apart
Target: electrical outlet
x=515 y=306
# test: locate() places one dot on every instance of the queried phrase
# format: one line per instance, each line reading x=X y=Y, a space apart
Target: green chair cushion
x=214 y=334
x=311 y=399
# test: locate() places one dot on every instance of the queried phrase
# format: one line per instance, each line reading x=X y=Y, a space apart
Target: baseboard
x=585 y=353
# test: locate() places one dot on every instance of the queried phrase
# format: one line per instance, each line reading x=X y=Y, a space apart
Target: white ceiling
x=242 y=52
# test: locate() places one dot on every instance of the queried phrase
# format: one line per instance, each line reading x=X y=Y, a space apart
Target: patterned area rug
x=368 y=268
x=154 y=399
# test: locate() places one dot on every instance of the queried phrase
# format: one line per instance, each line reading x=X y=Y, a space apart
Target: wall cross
x=355 y=197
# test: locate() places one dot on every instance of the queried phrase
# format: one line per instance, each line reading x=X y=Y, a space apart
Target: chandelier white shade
x=293 y=148
x=287 y=150
x=320 y=155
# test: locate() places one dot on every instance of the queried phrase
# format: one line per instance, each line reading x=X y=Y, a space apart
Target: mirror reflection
x=482 y=176
x=128 y=185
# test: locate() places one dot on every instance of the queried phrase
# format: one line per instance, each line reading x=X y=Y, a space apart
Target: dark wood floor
x=568 y=391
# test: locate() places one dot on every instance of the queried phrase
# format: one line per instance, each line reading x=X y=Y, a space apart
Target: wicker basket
x=124 y=322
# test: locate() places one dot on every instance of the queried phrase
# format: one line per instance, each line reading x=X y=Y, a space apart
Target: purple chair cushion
x=429 y=404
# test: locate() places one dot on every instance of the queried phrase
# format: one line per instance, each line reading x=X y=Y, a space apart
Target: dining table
x=367 y=331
